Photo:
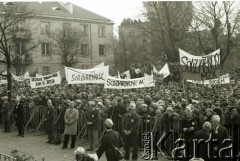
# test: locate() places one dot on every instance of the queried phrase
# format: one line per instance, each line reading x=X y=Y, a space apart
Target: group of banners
x=195 y=69
x=100 y=75
x=35 y=82
x=202 y=69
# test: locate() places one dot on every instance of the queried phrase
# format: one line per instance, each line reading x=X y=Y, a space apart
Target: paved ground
x=35 y=145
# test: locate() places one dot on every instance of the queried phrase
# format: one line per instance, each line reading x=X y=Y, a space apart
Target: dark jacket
x=50 y=124
x=201 y=149
x=92 y=115
x=19 y=114
x=110 y=139
x=194 y=122
x=219 y=136
x=5 y=111
x=132 y=122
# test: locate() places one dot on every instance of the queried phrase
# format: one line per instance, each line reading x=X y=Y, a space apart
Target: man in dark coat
x=6 y=114
x=219 y=134
x=131 y=126
x=92 y=121
x=199 y=138
x=190 y=124
x=19 y=117
x=110 y=139
x=49 y=122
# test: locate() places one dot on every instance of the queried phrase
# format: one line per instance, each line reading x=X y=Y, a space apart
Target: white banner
x=39 y=75
x=79 y=76
x=165 y=71
x=200 y=67
x=117 y=83
x=44 y=81
x=224 y=79
x=124 y=75
x=149 y=81
x=21 y=78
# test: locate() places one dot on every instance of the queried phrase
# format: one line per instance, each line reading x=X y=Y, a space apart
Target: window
x=101 y=31
x=84 y=66
x=20 y=48
x=45 y=27
x=84 y=29
x=66 y=29
x=46 y=70
x=102 y=50
x=84 y=49
x=20 y=26
x=46 y=48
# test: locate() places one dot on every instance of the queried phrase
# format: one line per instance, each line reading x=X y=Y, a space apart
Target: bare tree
x=168 y=24
x=12 y=15
x=216 y=24
x=69 y=45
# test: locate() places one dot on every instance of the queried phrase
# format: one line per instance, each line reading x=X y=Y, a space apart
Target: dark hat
x=218 y=110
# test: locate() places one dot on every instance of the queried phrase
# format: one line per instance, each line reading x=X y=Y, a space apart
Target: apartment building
x=53 y=16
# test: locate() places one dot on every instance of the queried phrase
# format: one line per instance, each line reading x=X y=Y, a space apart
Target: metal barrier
x=33 y=117
x=4 y=157
x=118 y=124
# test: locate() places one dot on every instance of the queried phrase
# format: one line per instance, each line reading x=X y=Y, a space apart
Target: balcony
x=22 y=35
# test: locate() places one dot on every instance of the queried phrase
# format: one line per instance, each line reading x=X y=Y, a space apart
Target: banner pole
x=184 y=91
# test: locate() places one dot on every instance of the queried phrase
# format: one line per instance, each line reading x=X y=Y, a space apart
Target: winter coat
x=110 y=139
x=50 y=123
x=5 y=112
x=93 y=116
x=19 y=114
x=71 y=118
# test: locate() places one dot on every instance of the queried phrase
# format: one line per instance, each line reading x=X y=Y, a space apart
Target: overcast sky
x=116 y=10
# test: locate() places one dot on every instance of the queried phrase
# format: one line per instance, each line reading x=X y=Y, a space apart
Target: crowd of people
x=175 y=107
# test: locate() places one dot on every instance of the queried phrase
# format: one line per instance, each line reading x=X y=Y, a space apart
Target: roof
x=46 y=9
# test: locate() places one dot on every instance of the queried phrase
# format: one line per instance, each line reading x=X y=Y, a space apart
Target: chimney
x=68 y=6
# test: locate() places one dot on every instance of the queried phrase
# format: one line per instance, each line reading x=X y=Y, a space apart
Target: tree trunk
x=9 y=80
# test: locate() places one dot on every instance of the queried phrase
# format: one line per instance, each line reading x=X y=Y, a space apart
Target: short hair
x=215 y=118
x=207 y=126
x=71 y=103
x=49 y=100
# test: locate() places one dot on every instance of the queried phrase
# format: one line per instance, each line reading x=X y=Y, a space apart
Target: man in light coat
x=70 y=118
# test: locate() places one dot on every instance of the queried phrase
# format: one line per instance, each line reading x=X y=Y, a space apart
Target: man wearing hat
x=131 y=125
x=110 y=140
x=6 y=114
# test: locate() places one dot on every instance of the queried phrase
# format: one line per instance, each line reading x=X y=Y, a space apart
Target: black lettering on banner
x=207 y=66
x=109 y=82
x=38 y=84
x=51 y=81
x=141 y=82
x=47 y=77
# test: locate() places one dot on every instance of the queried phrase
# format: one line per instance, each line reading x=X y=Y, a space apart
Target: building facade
x=58 y=16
